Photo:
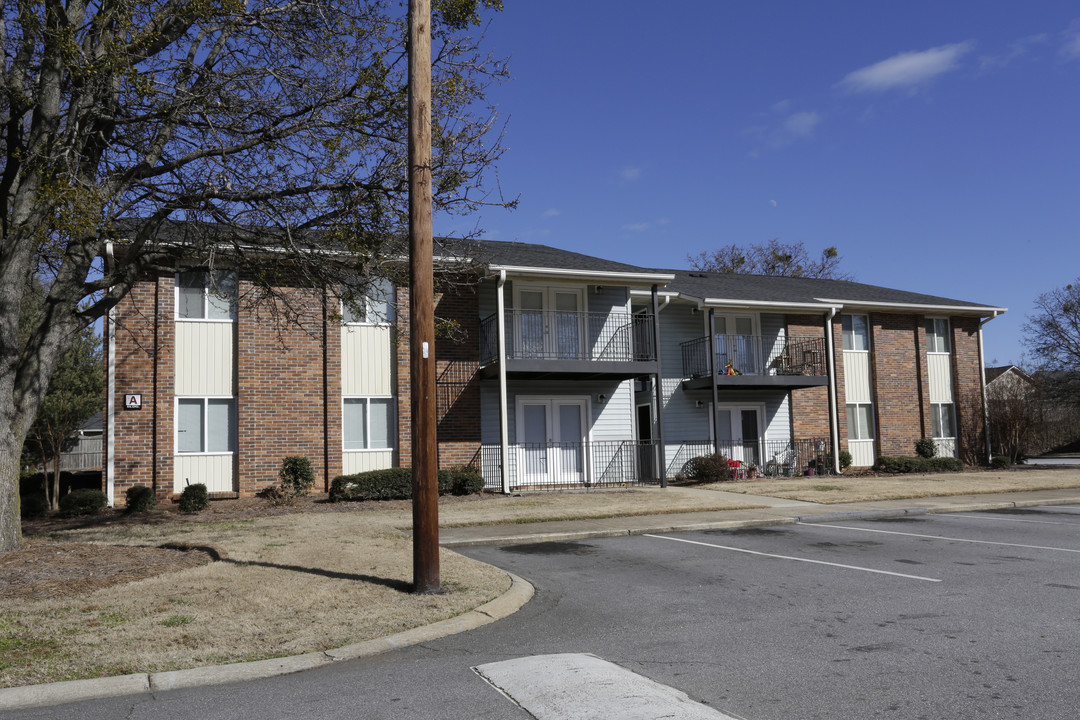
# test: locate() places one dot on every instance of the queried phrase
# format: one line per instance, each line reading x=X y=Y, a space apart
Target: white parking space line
x=941 y=537
x=796 y=559
x=995 y=518
x=578 y=685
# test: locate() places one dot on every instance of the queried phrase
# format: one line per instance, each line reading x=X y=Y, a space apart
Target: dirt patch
x=42 y=569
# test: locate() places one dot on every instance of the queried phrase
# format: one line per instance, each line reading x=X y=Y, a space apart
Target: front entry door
x=551 y=440
x=739 y=431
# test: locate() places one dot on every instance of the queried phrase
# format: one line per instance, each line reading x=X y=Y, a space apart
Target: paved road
x=936 y=616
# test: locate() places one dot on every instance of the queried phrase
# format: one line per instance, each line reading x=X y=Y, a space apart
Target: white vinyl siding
x=368 y=424
x=857 y=377
x=204 y=359
x=367 y=361
x=205 y=425
x=358 y=462
x=205 y=295
x=216 y=472
x=939 y=372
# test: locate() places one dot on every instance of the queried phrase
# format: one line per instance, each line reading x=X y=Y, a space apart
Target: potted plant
x=751 y=471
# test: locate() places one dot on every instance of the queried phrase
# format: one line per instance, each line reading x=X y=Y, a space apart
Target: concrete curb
x=31 y=696
x=860 y=515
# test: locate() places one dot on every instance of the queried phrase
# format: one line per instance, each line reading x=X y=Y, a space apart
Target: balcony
x=755 y=361
x=571 y=345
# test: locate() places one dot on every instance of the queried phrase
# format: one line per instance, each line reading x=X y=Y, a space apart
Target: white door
x=740 y=432
x=549 y=322
x=551 y=440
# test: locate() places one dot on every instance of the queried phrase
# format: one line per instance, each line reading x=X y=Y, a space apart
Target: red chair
x=735 y=466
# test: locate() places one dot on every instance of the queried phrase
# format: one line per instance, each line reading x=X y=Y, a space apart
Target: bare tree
x=270 y=128
x=771 y=258
x=1052 y=332
x=1014 y=407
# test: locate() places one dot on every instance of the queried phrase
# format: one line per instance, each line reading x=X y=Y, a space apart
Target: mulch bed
x=42 y=569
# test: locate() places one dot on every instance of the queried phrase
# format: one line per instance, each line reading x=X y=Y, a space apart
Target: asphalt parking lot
x=972 y=615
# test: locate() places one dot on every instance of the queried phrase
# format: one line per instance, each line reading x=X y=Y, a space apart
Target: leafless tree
x=771 y=258
x=258 y=130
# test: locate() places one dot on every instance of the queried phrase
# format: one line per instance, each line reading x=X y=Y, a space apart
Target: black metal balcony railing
x=537 y=466
x=771 y=458
x=555 y=335
x=755 y=355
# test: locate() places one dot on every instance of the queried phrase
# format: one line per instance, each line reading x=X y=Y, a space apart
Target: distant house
x=565 y=370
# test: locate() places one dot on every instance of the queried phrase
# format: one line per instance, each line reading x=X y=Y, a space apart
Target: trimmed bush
x=708 y=468
x=140 y=498
x=297 y=477
x=83 y=502
x=33 y=505
x=194 y=498
x=845 y=459
x=389 y=484
x=918 y=464
x=462 y=480
x=1000 y=462
x=925 y=448
x=396 y=484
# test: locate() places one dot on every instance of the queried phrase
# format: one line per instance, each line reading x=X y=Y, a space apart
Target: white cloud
x=637 y=227
x=1070 y=50
x=1016 y=51
x=906 y=70
x=802 y=124
x=773 y=203
x=552 y=212
x=631 y=173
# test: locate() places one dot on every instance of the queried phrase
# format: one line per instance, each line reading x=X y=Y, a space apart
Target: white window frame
x=208 y=289
x=936 y=417
x=373 y=313
x=205 y=401
x=392 y=426
x=850 y=318
x=933 y=336
x=871 y=429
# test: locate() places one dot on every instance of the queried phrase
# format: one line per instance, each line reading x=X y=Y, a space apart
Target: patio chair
x=783 y=463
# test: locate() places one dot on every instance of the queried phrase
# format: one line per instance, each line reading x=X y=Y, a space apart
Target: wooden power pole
x=422 y=306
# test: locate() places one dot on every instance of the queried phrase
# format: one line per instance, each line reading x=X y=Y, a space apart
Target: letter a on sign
x=133 y=402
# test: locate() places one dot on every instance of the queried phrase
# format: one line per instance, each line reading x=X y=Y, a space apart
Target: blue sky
x=934 y=143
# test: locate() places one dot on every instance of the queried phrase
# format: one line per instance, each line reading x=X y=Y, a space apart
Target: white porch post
x=504 y=423
x=834 y=418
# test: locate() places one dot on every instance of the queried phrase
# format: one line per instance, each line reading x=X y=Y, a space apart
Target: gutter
x=953 y=309
x=834 y=411
x=504 y=423
x=110 y=390
x=600 y=275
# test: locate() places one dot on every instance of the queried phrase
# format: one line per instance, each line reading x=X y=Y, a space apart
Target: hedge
x=83 y=502
x=918 y=464
x=396 y=484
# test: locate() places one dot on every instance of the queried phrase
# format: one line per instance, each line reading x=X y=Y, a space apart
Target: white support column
x=834 y=415
x=504 y=423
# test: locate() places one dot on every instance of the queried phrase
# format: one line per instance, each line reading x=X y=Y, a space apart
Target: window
x=855 y=334
x=205 y=295
x=860 y=421
x=368 y=423
x=937 y=335
x=205 y=425
x=943 y=421
x=377 y=306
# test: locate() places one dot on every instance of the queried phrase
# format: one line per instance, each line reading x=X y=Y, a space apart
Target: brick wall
x=898 y=390
x=280 y=391
x=809 y=406
x=968 y=390
x=143 y=447
x=457 y=354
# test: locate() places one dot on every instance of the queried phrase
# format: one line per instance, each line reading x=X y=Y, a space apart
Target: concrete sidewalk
x=776 y=511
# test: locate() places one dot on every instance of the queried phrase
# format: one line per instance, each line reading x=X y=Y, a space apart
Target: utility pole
x=421 y=307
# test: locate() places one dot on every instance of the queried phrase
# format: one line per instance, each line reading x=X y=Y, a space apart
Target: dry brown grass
x=865 y=488
x=290 y=584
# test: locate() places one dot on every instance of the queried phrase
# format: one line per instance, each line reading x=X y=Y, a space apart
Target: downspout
x=661 y=447
x=110 y=390
x=985 y=402
x=714 y=373
x=504 y=423
x=834 y=417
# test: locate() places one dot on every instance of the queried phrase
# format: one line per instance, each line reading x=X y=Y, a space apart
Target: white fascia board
x=601 y=277
x=648 y=293
x=977 y=310
x=769 y=304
